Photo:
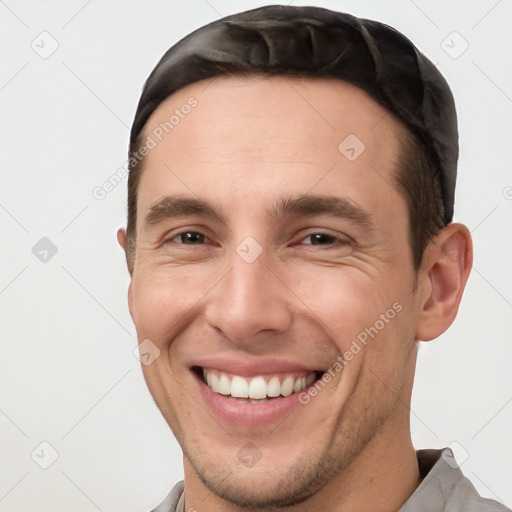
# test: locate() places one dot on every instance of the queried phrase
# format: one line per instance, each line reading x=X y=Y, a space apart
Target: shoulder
x=444 y=487
x=465 y=497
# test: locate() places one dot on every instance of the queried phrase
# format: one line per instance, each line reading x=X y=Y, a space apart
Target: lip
x=246 y=414
x=241 y=414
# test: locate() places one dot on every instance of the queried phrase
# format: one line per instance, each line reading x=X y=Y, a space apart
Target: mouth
x=258 y=389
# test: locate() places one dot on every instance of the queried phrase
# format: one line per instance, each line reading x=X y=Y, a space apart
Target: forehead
x=262 y=133
x=325 y=104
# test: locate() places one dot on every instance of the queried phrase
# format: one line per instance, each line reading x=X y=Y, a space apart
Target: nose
x=250 y=301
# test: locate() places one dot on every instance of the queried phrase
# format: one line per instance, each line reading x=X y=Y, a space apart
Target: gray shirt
x=444 y=489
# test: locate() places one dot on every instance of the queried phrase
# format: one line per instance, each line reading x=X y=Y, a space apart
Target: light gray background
x=68 y=374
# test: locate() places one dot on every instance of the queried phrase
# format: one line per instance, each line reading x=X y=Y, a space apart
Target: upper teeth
x=256 y=387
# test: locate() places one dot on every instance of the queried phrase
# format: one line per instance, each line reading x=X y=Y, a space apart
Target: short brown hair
x=418 y=179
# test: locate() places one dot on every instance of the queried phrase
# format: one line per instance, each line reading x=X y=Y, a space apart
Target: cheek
x=162 y=301
x=358 y=312
x=345 y=299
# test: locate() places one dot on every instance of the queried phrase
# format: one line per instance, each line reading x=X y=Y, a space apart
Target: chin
x=265 y=486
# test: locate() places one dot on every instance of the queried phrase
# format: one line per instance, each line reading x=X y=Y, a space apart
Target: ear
x=445 y=271
x=121 y=238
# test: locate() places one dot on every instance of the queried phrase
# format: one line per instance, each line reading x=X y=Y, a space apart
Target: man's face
x=275 y=253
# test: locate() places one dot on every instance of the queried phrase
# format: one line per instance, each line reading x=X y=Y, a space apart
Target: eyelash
x=205 y=238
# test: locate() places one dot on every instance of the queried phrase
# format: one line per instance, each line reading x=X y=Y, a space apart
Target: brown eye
x=189 y=238
x=320 y=239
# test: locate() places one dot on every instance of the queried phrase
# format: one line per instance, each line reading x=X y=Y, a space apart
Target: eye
x=189 y=238
x=321 y=239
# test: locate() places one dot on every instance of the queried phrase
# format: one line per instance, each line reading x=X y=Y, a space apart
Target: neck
x=382 y=478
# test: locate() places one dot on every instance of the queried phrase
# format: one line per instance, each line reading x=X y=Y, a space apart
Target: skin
x=249 y=142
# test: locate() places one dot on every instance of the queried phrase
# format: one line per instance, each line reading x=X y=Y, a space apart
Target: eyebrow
x=176 y=206
x=334 y=206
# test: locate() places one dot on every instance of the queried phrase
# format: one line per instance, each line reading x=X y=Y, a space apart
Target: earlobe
x=130 y=300
x=447 y=265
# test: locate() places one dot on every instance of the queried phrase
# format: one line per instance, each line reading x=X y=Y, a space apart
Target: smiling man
x=290 y=242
